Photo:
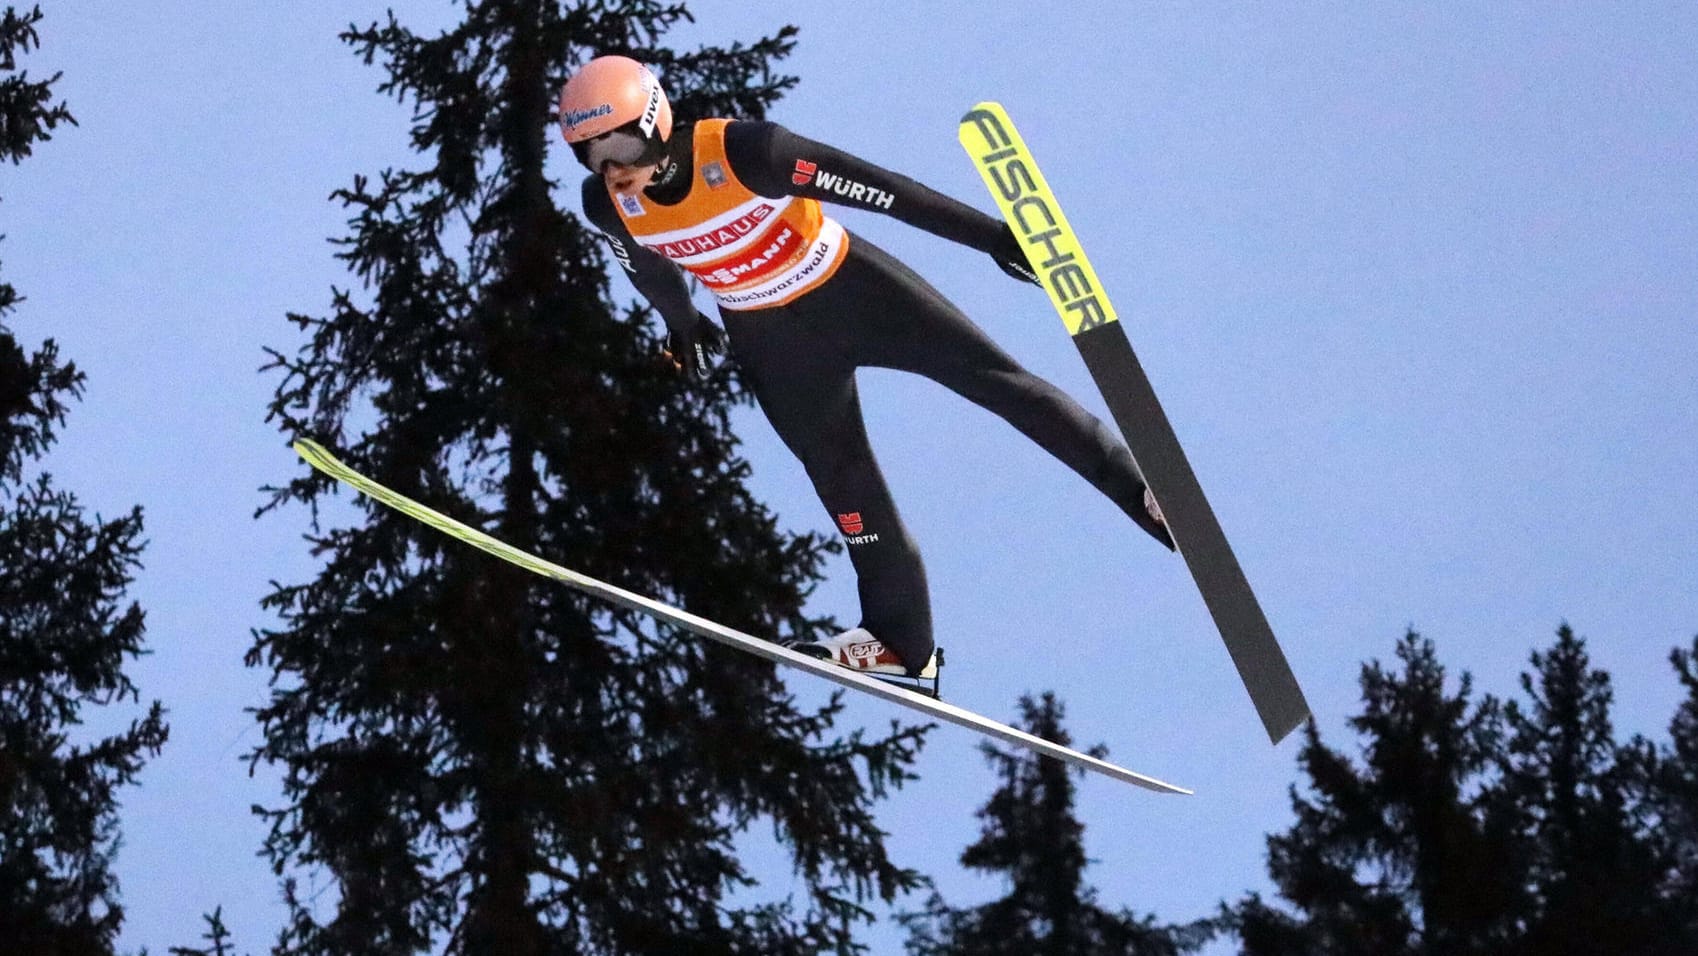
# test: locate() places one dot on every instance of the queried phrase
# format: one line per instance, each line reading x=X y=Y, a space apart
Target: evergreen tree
x=1595 y=872
x=1521 y=828
x=64 y=632
x=1670 y=803
x=1408 y=852
x=1032 y=837
x=217 y=935
x=479 y=760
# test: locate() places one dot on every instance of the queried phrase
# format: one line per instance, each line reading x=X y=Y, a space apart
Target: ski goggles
x=624 y=146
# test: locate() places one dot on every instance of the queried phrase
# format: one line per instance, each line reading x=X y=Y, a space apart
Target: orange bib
x=750 y=251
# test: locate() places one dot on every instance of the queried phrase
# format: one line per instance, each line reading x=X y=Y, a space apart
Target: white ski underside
x=321 y=459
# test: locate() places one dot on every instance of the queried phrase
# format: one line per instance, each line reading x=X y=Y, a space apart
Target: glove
x=689 y=350
x=1011 y=258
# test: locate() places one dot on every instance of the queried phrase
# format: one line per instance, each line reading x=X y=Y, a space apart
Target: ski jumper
x=805 y=303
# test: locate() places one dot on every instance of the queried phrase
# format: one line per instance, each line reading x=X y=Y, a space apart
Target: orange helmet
x=614 y=110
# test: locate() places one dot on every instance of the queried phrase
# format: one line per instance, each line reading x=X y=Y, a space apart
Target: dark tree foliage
x=476 y=759
x=1667 y=784
x=64 y=630
x=1374 y=860
x=28 y=114
x=1475 y=827
x=1033 y=839
x=217 y=937
x=1595 y=872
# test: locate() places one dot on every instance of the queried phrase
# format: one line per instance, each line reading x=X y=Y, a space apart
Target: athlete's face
x=629 y=180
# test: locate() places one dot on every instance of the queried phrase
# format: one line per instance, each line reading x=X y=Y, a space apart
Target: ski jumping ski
x=1032 y=212
x=316 y=456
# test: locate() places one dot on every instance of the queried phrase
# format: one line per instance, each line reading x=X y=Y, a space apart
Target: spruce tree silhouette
x=1409 y=852
x=1668 y=787
x=65 y=629
x=1481 y=827
x=1032 y=837
x=1595 y=869
x=475 y=759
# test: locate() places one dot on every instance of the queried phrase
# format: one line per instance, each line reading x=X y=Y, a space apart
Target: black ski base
x=1191 y=523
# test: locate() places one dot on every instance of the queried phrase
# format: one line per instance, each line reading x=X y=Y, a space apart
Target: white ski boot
x=857 y=649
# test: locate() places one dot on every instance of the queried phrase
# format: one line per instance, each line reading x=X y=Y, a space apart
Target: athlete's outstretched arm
x=773 y=161
x=658 y=278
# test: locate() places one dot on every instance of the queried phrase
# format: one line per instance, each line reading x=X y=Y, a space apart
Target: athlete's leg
x=906 y=324
x=806 y=387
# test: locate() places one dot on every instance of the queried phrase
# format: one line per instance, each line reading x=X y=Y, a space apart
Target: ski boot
x=858 y=650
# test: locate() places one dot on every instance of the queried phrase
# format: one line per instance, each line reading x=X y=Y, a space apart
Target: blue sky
x=1416 y=283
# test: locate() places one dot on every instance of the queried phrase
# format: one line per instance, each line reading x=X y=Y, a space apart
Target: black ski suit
x=800 y=357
